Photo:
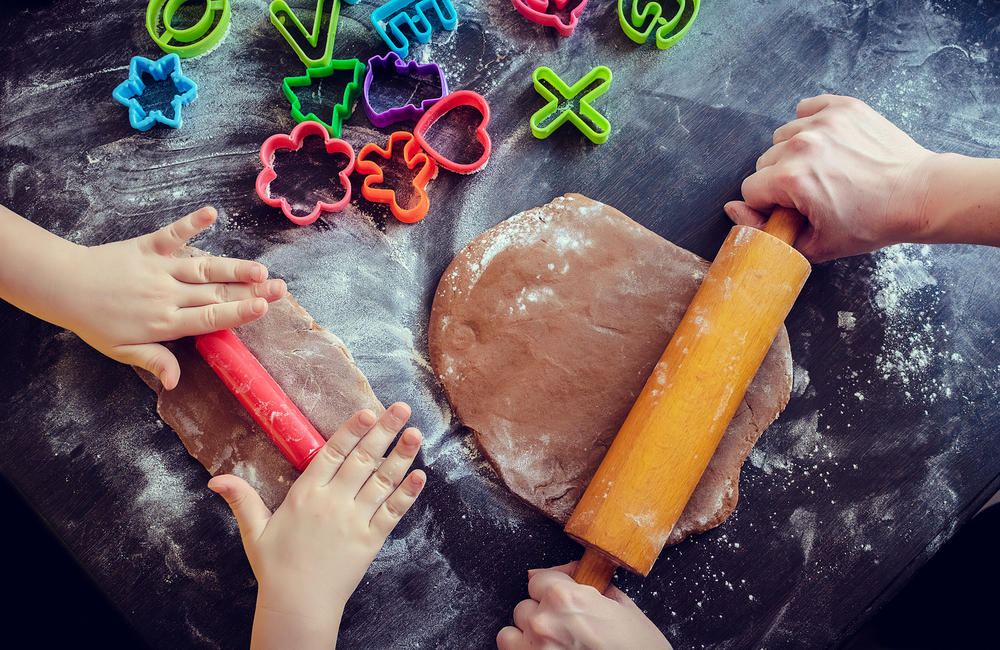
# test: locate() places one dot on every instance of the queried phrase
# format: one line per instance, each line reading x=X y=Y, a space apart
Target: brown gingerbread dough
x=543 y=332
x=310 y=364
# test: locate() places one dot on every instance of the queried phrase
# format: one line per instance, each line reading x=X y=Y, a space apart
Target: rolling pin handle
x=785 y=224
x=594 y=570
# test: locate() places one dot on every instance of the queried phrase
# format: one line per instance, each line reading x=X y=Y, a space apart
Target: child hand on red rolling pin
x=311 y=554
x=124 y=297
x=864 y=184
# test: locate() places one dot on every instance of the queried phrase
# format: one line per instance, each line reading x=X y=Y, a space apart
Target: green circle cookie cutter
x=590 y=122
x=206 y=29
x=687 y=11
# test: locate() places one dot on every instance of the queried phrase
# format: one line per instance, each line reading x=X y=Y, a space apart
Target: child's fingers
x=197 y=295
x=250 y=512
x=329 y=459
x=205 y=270
x=152 y=357
x=390 y=472
x=191 y=321
x=169 y=238
x=368 y=453
x=393 y=509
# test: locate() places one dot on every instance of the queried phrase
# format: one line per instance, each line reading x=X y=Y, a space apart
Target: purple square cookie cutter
x=404 y=68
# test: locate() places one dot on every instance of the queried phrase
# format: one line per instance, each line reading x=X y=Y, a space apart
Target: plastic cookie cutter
x=294 y=141
x=687 y=11
x=391 y=16
x=593 y=125
x=197 y=39
x=444 y=106
x=537 y=11
x=280 y=13
x=129 y=90
x=413 y=156
x=412 y=70
x=341 y=111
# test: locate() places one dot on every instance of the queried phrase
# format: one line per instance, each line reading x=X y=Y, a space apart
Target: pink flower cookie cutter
x=410 y=69
x=294 y=142
x=413 y=155
x=439 y=110
x=538 y=11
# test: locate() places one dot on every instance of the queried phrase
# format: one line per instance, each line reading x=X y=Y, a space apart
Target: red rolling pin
x=261 y=396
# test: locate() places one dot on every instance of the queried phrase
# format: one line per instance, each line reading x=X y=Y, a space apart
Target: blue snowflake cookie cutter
x=129 y=90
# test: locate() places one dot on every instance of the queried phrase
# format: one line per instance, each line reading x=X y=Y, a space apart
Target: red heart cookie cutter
x=437 y=111
x=294 y=141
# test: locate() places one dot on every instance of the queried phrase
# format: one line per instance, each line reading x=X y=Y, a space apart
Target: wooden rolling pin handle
x=785 y=224
x=594 y=570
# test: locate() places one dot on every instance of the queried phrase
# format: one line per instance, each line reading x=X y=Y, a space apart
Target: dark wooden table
x=888 y=444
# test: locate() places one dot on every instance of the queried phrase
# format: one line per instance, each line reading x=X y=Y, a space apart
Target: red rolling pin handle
x=261 y=396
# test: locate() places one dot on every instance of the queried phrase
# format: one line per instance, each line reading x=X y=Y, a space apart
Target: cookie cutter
x=687 y=11
x=413 y=155
x=127 y=91
x=294 y=141
x=437 y=111
x=392 y=15
x=590 y=122
x=341 y=111
x=537 y=11
x=217 y=13
x=403 y=68
x=279 y=8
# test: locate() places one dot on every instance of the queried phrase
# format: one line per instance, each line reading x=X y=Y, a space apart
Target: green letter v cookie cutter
x=590 y=122
x=687 y=11
x=280 y=13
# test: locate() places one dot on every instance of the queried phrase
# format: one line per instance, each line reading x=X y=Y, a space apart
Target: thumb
x=153 y=357
x=248 y=508
x=743 y=215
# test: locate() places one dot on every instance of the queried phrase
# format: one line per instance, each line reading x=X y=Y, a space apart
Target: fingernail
x=259 y=273
x=367 y=418
x=258 y=306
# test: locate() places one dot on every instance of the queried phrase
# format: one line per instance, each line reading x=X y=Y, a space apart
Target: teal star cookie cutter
x=341 y=111
x=127 y=91
x=687 y=11
x=590 y=122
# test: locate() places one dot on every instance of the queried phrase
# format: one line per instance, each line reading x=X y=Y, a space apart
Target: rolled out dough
x=310 y=363
x=543 y=331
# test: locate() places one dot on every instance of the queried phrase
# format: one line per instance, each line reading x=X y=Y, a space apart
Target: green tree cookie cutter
x=341 y=111
x=202 y=29
x=590 y=122
x=279 y=8
x=687 y=11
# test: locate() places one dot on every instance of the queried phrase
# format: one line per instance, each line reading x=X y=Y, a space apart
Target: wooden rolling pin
x=662 y=449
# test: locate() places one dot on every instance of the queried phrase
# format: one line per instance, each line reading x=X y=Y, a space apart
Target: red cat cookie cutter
x=413 y=155
x=437 y=111
x=537 y=11
x=294 y=141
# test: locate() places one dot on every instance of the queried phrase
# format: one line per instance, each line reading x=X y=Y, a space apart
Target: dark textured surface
x=887 y=445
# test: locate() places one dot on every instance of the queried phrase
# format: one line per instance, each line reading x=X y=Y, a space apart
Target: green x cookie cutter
x=190 y=35
x=687 y=11
x=590 y=122
x=341 y=111
x=278 y=7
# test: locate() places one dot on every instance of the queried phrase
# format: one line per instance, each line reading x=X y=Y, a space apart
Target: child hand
x=310 y=555
x=126 y=296
x=562 y=614
x=861 y=181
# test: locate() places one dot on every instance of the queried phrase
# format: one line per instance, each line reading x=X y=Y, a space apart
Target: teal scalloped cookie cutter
x=391 y=16
x=687 y=11
x=197 y=39
x=127 y=91
x=590 y=122
x=341 y=111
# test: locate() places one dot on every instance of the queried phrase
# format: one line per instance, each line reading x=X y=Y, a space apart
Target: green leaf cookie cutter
x=203 y=29
x=590 y=122
x=687 y=11
x=341 y=111
x=279 y=7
